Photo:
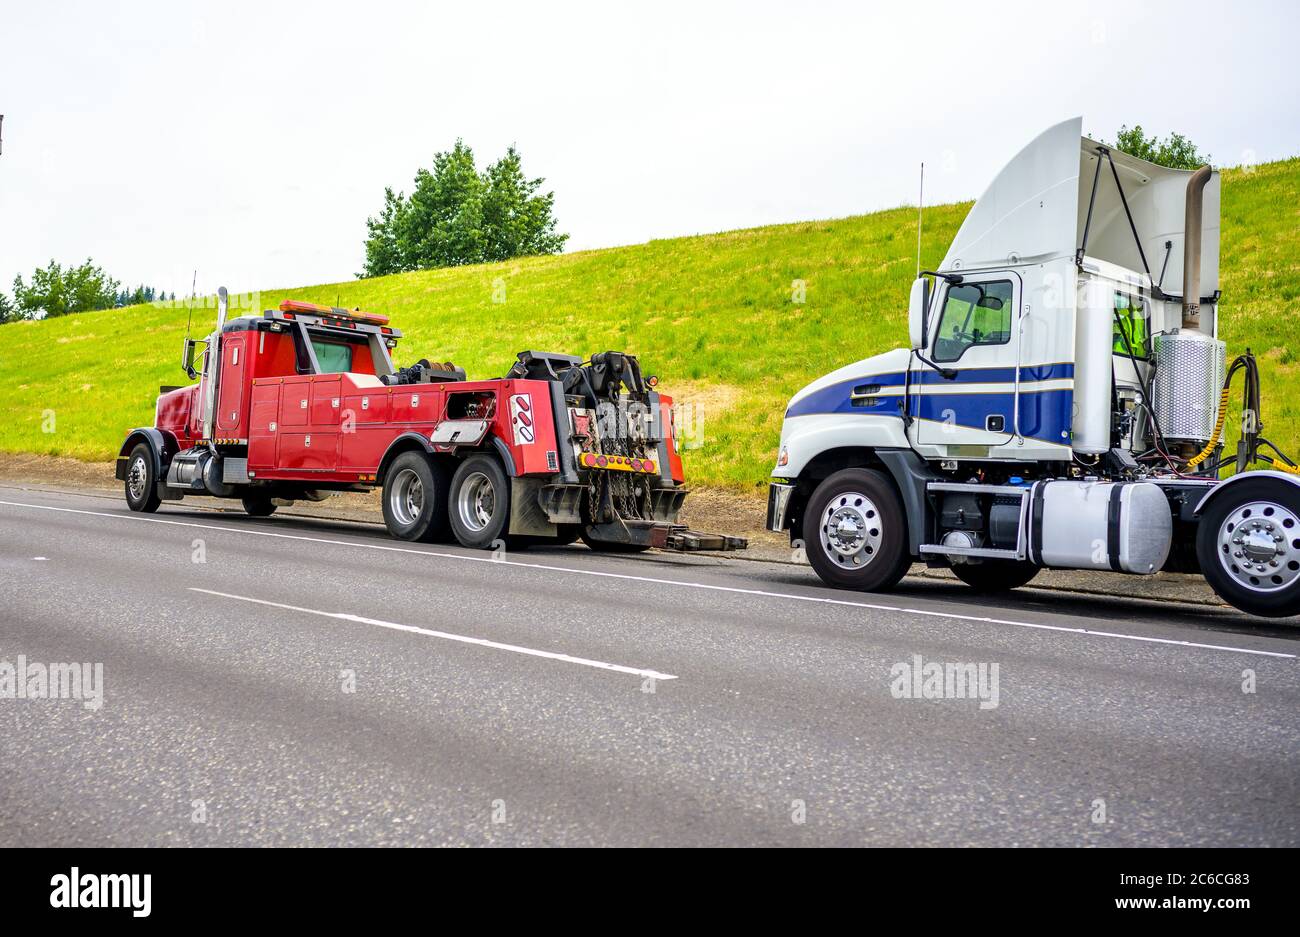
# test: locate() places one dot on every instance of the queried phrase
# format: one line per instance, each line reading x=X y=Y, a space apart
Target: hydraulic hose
x=1218 y=427
x=1251 y=438
x=1280 y=465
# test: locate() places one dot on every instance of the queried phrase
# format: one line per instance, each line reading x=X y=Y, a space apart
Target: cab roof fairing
x=1036 y=209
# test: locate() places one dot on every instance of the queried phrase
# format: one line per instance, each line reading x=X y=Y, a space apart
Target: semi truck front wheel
x=855 y=531
x=142 y=481
x=1248 y=544
x=415 y=498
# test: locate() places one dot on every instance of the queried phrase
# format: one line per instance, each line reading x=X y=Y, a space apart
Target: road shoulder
x=724 y=511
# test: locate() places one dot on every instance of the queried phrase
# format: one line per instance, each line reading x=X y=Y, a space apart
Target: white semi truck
x=1060 y=405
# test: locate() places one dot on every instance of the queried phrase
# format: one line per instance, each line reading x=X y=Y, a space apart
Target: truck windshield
x=333 y=357
x=973 y=314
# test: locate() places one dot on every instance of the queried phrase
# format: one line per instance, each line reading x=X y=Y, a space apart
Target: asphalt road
x=284 y=681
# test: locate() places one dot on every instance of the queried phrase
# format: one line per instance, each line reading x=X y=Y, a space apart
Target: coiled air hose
x=1250 y=404
x=1218 y=425
x=1280 y=465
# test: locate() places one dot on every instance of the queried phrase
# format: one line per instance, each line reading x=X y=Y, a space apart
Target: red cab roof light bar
x=297 y=305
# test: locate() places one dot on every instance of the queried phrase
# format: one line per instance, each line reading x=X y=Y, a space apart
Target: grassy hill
x=712 y=315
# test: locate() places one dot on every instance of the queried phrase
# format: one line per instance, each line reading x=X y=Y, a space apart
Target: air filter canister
x=1188 y=379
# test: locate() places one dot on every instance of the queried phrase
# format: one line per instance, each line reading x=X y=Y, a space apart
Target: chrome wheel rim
x=850 y=530
x=1259 y=546
x=137 y=479
x=407 y=498
x=476 y=501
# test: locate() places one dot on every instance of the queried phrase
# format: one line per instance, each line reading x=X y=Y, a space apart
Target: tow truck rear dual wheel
x=479 y=504
x=855 y=531
x=142 y=481
x=415 y=498
x=1248 y=544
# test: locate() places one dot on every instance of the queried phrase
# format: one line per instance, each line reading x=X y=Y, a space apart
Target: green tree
x=516 y=220
x=8 y=311
x=383 y=256
x=457 y=215
x=1174 y=151
x=442 y=224
x=59 y=292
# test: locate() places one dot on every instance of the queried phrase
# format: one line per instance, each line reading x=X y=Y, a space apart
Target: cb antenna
x=920 y=204
x=190 y=319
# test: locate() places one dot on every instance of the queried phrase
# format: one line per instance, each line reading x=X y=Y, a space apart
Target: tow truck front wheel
x=855 y=531
x=415 y=498
x=142 y=481
x=480 y=502
x=1248 y=544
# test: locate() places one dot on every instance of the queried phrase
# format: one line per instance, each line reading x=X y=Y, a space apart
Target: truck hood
x=889 y=362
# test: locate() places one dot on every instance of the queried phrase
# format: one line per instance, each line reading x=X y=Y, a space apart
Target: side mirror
x=917 y=309
x=187 y=358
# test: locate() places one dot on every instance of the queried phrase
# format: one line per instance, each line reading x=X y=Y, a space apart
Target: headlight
x=783 y=459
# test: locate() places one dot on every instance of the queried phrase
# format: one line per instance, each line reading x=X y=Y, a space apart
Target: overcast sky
x=251 y=140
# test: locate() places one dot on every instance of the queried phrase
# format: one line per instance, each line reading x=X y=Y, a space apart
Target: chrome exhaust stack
x=1190 y=363
x=1192 y=247
x=212 y=371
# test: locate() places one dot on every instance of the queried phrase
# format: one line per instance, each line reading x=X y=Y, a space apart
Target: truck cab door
x=974 y=332
x=230 y=394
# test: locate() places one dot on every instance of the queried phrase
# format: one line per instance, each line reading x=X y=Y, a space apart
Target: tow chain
x=620 y=486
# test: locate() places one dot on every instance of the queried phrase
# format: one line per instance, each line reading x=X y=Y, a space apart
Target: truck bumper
x=778 y=506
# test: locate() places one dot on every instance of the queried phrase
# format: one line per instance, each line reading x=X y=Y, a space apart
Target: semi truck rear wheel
x=1248 y=544
x=142 y=481
x=992 y=576
x=258 y=505
x=415 y=498
x=480 y=502
x=855 y=531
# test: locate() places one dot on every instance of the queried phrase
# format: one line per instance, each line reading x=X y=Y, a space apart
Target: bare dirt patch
x=55 y=471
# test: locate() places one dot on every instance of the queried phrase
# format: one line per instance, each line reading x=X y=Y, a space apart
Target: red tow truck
x=304 y=401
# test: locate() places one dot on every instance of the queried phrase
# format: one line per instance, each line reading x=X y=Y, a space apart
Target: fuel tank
x=1121 y=526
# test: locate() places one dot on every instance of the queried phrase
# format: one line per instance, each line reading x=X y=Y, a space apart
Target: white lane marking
x=669 y=582
x=448 y=636
x=39 y=559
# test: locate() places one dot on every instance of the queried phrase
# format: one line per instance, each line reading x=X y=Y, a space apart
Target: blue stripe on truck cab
x=1044 y=414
